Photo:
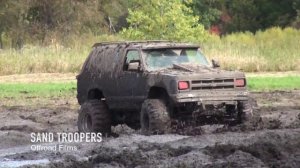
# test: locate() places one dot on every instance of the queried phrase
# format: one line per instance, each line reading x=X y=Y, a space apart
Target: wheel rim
x=87 y=123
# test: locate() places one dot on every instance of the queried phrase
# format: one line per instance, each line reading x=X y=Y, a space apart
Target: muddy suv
x=149 y=84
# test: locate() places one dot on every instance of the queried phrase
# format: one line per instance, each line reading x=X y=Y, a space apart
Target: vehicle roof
x=153 y=44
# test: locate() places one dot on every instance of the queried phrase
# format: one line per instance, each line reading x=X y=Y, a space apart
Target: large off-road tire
x=94 y=116
x=245 y=111
x=155 y=117
x=250 y=117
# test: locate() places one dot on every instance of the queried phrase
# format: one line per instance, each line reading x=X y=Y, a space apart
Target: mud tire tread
x=245 y=112
x=100 y=116
x=159 y=120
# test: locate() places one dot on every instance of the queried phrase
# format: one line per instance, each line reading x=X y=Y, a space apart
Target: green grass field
x=36 y=90
x=68 y=89
x=273 y=83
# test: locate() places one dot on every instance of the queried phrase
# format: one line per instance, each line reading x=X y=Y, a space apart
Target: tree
x=247 y=15
x=275 y=12
x=243 y=15
x=170 y=20
x=12 y=14
x=64 y=18
x=296 y=22
x=209 y=11
x=115 y=13
x=253 y=15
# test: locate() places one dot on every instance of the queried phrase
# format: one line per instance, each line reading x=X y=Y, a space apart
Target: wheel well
x=157 y=92
x=95 y=94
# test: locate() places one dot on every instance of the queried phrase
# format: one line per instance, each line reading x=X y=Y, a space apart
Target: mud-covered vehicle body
x=149 y=84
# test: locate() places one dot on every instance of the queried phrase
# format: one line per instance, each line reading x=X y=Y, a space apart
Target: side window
x=131 y=56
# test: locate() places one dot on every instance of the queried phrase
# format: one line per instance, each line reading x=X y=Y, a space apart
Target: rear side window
x=131 y=56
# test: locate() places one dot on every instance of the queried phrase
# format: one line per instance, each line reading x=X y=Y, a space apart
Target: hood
x=190 y=70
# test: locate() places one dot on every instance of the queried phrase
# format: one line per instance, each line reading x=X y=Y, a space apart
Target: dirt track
x=271 y=141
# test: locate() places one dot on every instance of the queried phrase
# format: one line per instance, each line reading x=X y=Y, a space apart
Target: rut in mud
x=272 y=140
x=269 y=148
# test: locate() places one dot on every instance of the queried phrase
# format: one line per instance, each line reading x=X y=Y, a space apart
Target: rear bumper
x=210 y=96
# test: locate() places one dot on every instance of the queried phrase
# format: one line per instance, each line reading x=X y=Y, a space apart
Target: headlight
x=183 y=85
x=240 y=82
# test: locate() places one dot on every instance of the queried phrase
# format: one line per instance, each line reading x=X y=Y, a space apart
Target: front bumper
x=210 y=96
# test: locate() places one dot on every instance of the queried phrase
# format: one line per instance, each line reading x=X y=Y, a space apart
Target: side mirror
x=215 y=63
x=134 y=66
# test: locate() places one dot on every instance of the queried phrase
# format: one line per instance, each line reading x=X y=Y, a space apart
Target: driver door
x=131 y=81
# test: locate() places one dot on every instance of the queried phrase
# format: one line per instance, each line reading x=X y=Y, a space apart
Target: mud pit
x=273 y=140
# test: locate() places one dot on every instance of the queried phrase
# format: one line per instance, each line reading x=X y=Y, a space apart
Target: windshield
x=165 y=58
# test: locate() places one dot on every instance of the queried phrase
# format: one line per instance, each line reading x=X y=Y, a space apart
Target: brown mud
x=271 y=139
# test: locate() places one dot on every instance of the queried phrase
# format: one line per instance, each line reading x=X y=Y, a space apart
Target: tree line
x=247 y=15
x=40 y=21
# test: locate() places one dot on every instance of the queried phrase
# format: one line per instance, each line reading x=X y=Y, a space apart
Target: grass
x=275 y=49
x=273 y=83
x=54 y=58
x=50 y=59
x=37 y=90
x=68 y=89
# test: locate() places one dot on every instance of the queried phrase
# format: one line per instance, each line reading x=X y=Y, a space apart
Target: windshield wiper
x=177 y=66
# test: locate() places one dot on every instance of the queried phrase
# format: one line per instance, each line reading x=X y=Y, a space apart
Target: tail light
x=183 y=85
x=240 y=82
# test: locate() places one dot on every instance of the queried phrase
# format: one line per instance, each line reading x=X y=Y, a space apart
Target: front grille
x=212 y=84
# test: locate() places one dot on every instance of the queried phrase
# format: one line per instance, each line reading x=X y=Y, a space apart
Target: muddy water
x=271 y=140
